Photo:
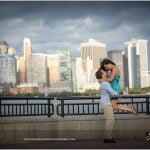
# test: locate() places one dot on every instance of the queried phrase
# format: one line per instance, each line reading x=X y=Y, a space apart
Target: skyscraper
x=92 y=52
x=37 y=69
x=117 y=56
x=89 y=70
x=137 y=64
x=27 y=47
x=53 y=65
x=8 y=69
x=78 y=77
x=22 y=61
x=3 y=47
x=65 y=64
x=21 y=70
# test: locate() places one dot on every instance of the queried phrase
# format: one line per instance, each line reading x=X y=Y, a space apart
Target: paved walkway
x=120 y=144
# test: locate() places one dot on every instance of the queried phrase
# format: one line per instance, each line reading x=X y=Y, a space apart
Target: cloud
x=56 y=25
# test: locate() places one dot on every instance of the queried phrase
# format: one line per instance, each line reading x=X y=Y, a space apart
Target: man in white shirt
x=106 y=93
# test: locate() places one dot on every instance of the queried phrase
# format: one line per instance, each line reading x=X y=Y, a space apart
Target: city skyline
x=51 y=25
x=38 y=69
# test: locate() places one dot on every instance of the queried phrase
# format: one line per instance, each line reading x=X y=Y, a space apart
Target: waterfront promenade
x=78 y=119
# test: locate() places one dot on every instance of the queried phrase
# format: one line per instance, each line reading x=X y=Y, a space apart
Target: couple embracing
x=108 y=75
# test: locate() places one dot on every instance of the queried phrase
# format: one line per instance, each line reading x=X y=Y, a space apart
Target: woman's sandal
x=133 y=110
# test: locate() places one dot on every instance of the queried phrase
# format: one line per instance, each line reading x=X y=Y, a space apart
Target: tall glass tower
x=137 y=64
x=65 y=64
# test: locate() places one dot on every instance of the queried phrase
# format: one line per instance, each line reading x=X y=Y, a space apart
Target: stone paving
x=91 y=144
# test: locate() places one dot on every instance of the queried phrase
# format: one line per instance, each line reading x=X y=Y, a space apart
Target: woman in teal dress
x=115 y=84
x=114 y=79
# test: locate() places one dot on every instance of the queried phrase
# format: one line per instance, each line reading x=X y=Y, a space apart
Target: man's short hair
x=98 y=74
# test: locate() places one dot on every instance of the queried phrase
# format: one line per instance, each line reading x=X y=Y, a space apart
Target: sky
x=53 y=24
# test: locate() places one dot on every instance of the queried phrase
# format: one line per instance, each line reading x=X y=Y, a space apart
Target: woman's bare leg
x=117 y=106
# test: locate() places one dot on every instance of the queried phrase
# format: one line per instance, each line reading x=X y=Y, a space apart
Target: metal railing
x=66 y=106
x=78 y=106
x=71 y=106
x=26 y=106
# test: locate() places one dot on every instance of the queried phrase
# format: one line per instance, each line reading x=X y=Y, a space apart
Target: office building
x=3 y=47
x=37 y=69
x=27 y=47
x=92 y=52
x=78 y=76
x=53 y=65
x=89 y=70
x=117 y=56
x=22 y=61
x=137 y=63
x=11 y=51
x=21 y=70
x=65 y=68
x=8 y=69
x=65 y=64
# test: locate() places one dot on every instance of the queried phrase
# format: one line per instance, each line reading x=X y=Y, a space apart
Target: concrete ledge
x=16 y=131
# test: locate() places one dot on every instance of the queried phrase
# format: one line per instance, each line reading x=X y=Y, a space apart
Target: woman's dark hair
x=106 y=62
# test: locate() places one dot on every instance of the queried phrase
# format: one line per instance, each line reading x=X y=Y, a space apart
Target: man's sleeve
x=110 y=90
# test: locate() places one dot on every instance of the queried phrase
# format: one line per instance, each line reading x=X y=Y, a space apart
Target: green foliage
x=135 y=91
x=146 y=90
x=90 y=92
x=31 y=94
x=63 y=94
x=6 y=93
x=139 y=90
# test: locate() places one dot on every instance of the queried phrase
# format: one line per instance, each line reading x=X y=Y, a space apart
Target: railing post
x=147 y=105
x=0 y=107
x=62 y=108
x=27 y=108
x=132 y=100
x=55 y=104
x=49 y=112
x=93 y=105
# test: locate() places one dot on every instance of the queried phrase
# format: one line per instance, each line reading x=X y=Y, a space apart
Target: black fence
x=71 y=106
x=65 y=106
x=26 y=106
